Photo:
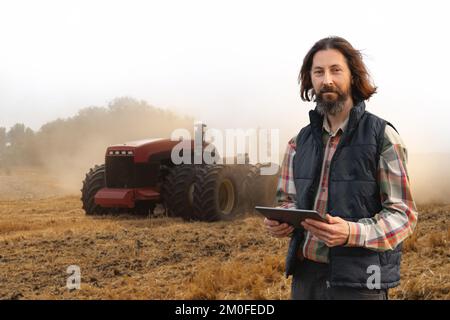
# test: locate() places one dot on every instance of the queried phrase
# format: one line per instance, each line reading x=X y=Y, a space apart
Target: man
x=350 y=166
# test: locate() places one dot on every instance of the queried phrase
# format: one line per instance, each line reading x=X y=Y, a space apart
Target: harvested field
x=43 y=230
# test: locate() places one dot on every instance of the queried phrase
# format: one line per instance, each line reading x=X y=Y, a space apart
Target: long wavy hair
x=362 y=87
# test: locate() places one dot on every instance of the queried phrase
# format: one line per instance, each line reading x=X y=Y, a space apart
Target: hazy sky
x=233 y=64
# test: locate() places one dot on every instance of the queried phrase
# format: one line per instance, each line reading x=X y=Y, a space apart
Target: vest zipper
x=330 y=169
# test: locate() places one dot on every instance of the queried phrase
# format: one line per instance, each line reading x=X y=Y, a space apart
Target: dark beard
x=330 y=107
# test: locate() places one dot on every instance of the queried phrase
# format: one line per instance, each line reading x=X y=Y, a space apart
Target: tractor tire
x=177 y=191
x=217 y=193
x=94 y=181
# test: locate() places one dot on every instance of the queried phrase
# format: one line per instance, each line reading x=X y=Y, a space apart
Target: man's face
x=331 y=80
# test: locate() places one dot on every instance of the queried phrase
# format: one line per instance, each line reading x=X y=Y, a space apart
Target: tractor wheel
x=216 y=194
x=240 y=172
x=177 y=191
x=94 y=181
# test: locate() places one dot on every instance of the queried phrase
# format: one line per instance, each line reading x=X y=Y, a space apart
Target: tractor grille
x=119 y=172
x=122 y=172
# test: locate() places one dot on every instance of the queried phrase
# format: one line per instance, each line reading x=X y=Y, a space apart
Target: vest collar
x=326 y=127
x=316 y=120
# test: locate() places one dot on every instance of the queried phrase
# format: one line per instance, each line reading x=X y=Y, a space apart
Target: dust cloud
x=69 y=148
x=430 y=177
x=66 y=149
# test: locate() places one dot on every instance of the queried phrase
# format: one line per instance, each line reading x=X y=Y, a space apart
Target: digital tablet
x=293 y=217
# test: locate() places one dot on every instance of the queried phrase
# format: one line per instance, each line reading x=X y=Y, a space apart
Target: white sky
x=233 y=64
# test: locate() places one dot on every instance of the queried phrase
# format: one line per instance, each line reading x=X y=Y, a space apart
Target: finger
x=322 y=235
x=271 y=222
x=318 y=225
x=332 y=219
x=281 y=227
x=283 y=233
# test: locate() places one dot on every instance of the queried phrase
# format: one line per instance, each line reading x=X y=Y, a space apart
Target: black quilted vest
x=354 y=193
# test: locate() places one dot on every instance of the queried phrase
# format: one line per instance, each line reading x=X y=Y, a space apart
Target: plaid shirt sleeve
x=398 y=218
x=286 y=194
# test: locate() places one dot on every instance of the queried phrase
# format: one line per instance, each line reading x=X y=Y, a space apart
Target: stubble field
x=43 y=231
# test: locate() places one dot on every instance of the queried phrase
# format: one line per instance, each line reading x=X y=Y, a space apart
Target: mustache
x=327 y=89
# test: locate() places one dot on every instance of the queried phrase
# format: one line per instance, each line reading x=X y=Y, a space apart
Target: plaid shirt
x=393 y=224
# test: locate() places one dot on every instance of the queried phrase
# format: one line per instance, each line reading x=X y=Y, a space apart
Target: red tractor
x=137 y=176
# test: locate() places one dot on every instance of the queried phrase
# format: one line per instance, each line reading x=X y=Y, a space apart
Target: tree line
x=88 y=133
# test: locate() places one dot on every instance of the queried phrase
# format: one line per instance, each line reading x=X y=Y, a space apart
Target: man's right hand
x=276 y=229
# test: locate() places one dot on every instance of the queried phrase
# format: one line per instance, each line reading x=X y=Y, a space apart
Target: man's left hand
x=334 y=233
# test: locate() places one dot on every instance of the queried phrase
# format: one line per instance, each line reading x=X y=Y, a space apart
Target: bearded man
x=350 y=166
